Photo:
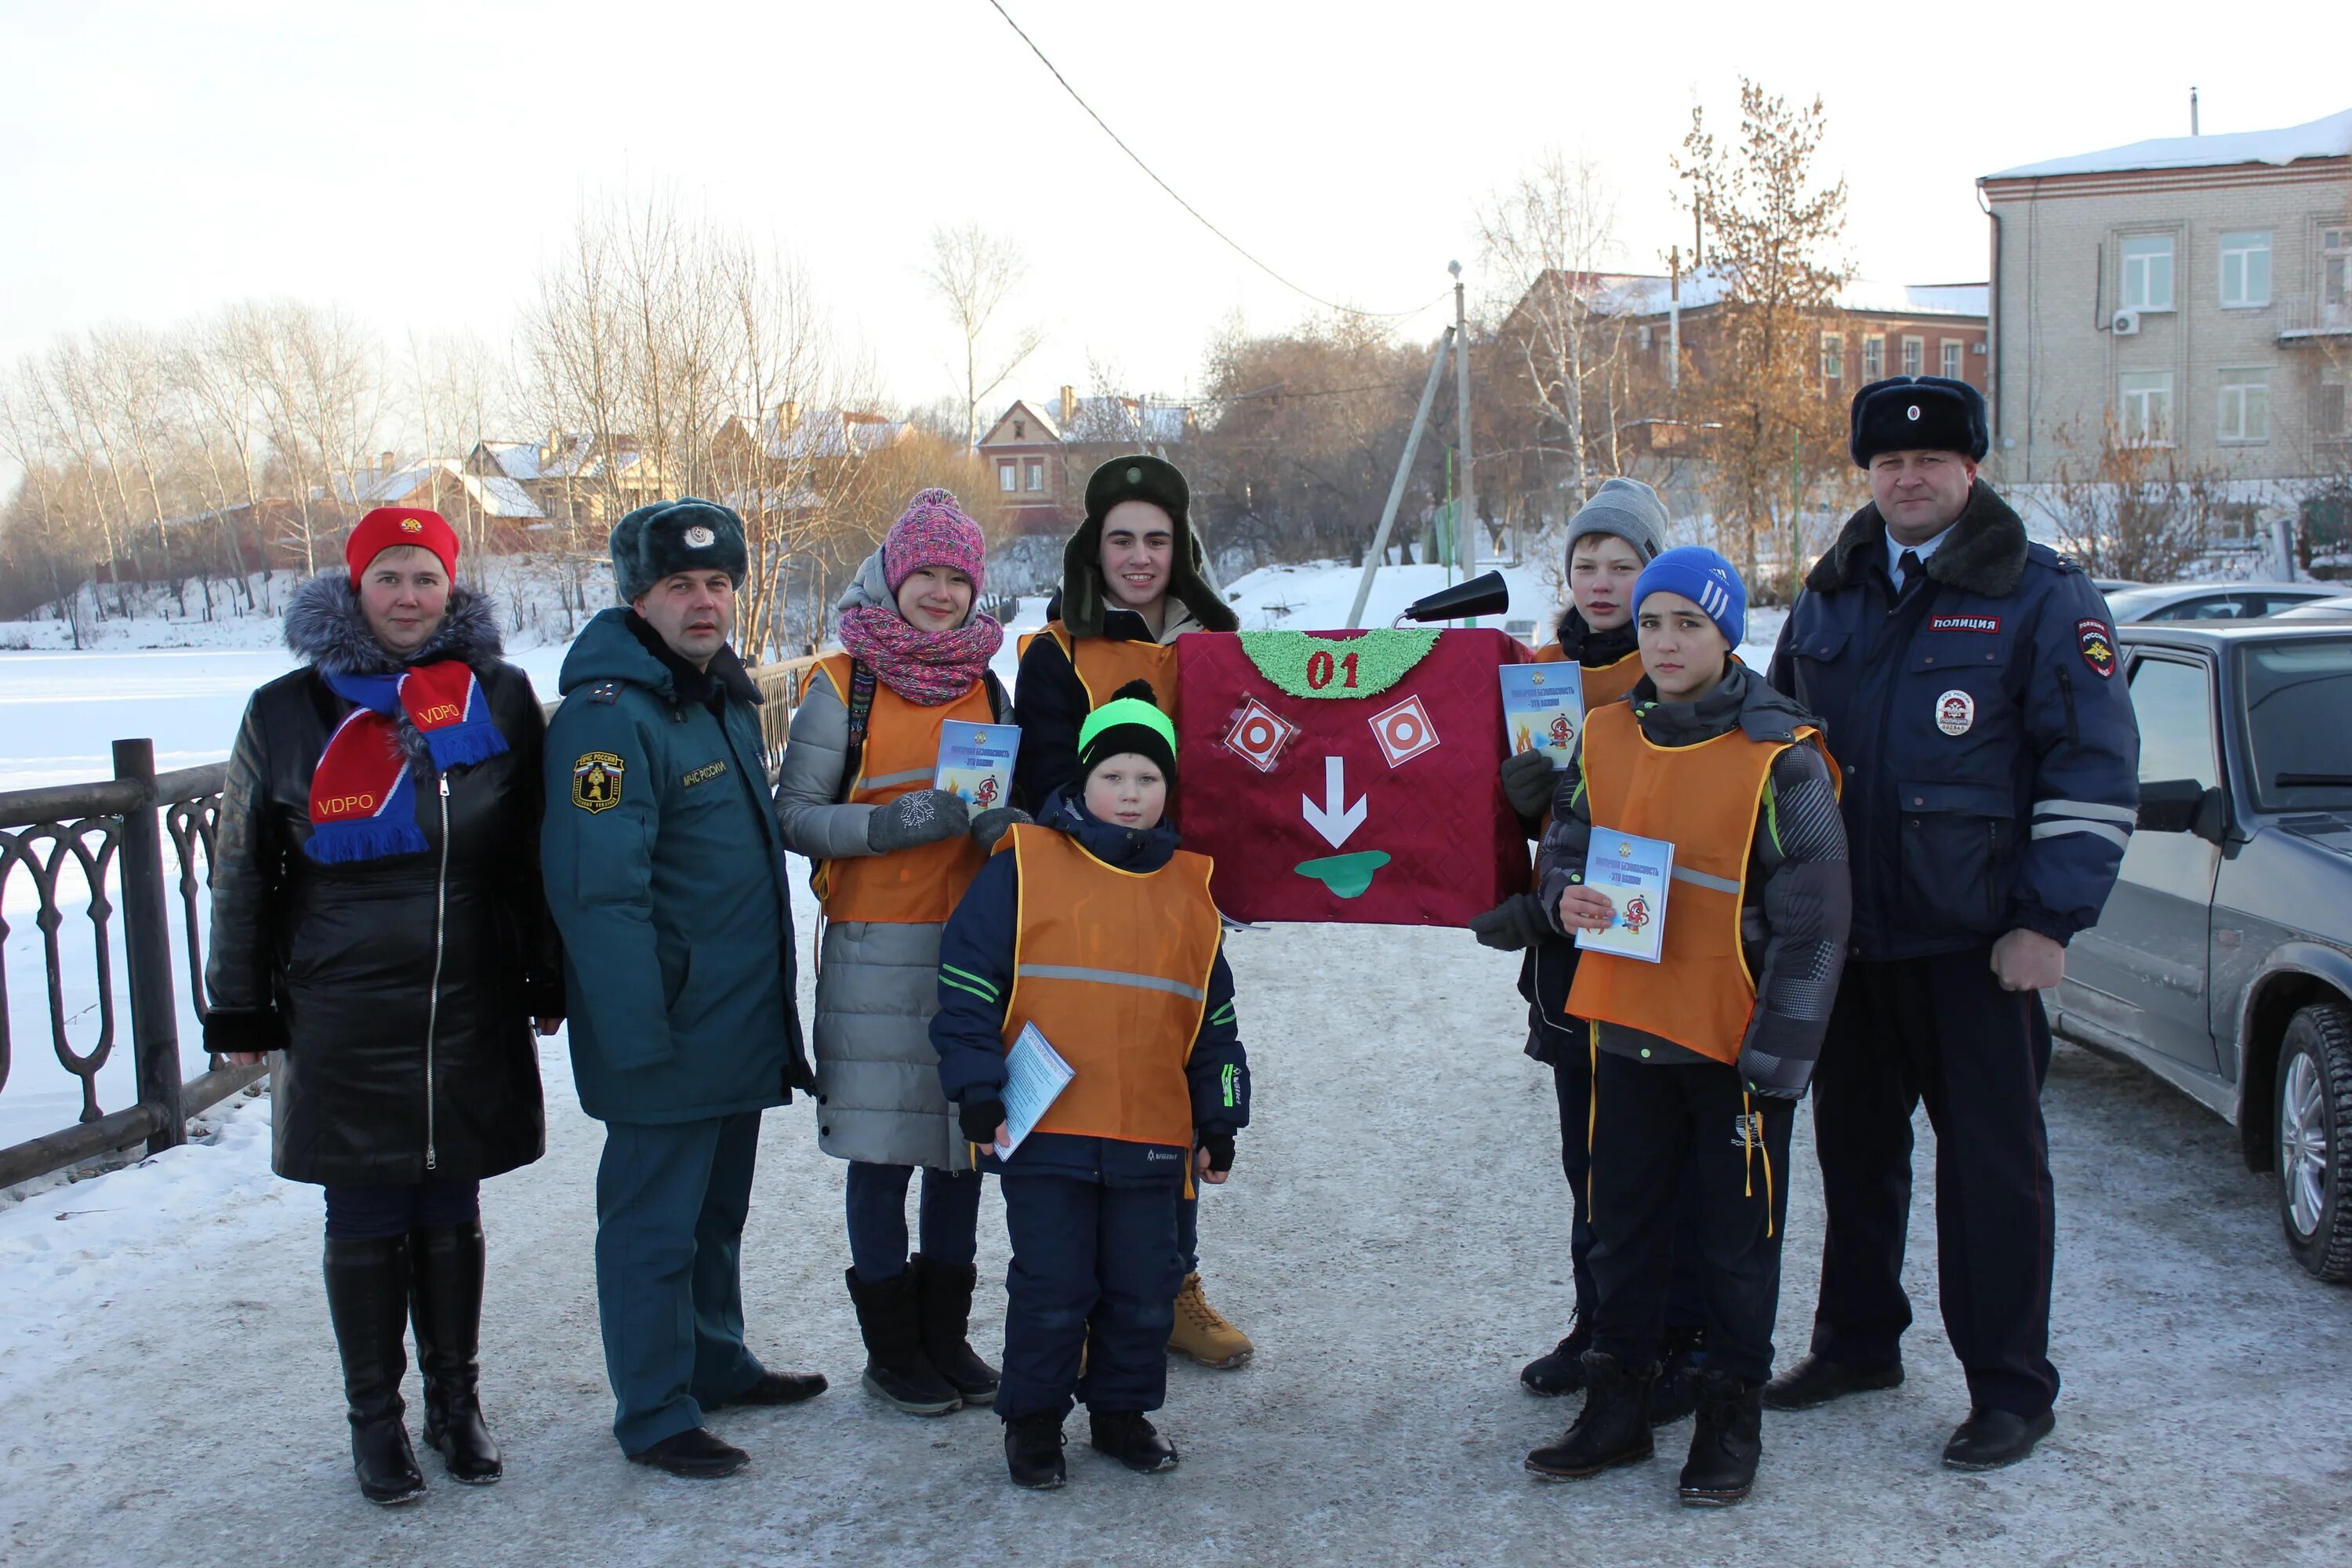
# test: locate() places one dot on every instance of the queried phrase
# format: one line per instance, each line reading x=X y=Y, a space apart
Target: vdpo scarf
x=362 y=798
x=924 y=667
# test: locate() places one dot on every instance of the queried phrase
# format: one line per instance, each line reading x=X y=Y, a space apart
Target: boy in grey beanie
x=1626 y=507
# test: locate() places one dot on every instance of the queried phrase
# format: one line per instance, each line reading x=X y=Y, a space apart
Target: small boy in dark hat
x=1096 y=928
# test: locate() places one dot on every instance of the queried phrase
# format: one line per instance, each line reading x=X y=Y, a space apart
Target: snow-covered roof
x=829 y=432
x=1648 y=294
x=1112 y=420
x=2327 y=138
x=516 y=459
x=493 y=496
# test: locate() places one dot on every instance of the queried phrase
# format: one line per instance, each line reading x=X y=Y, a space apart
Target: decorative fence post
x=147 y=942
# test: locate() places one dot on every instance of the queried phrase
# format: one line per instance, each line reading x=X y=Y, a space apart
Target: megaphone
x=1483 y=596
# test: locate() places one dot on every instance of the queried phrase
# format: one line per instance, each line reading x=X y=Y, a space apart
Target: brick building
x=2194 y=290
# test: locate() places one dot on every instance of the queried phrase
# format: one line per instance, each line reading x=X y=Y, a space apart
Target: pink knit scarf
x=924 y=667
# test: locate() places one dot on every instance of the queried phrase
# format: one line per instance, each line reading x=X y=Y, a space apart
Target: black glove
x=923 y=816
x=994 y=823
x=980 y=1119
x=1773 y=1078
x=1527 y=780
x=1516 y=922
x=1220 y=1146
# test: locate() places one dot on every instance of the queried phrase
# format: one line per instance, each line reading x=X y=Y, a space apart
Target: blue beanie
x=1705 y=579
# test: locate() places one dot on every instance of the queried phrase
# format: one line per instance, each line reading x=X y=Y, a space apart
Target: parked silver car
x=2223 y=959
x=2212 y=601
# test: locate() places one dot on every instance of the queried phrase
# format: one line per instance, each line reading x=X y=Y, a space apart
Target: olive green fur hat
x=1138 y=477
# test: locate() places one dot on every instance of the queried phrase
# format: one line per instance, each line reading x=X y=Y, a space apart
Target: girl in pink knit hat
x=892 y=855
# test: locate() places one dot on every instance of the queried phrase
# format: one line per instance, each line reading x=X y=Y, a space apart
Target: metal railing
x=111 y=833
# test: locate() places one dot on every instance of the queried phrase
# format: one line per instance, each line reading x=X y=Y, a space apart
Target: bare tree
x=974 y=273
x=1545 y=239
x=320 y=379
x=2127 y=509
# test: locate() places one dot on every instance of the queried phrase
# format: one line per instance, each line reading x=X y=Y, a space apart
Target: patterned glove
x=1514 y=923
x=1774 y=1078
x=1527 y=780
x=924 y=816
x=979 y=1119
x=994 y=823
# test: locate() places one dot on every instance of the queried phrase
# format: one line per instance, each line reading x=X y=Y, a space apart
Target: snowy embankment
x=1394 y=1238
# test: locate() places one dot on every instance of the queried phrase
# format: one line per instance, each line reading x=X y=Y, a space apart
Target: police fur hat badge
x=669 y=537
x=1917 y=413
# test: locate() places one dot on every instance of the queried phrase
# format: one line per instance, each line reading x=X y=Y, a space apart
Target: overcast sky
x=419 y=162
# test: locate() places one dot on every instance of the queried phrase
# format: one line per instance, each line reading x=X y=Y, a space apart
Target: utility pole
x=1379 y=550
x=1674 y=320
x=1467 y=508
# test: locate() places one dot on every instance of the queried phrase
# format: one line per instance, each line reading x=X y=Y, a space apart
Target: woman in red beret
x=379 y=931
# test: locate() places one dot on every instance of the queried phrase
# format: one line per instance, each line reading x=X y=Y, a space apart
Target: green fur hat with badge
x=1138 y=477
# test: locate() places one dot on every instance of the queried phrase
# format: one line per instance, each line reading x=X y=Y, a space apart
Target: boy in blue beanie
x=1700 y=1058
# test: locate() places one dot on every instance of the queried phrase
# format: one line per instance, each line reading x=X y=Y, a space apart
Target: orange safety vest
x=1704 y=800
x=908 y=886
x=1602 y=682
x=1106 y=664
x=1113 y=968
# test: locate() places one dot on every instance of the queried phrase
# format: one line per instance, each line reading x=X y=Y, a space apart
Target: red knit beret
x=387 y=526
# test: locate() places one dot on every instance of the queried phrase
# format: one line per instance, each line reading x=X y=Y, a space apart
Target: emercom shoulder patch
x=596 y=781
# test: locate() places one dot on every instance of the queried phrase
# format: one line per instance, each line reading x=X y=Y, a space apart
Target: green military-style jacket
x=666 y=876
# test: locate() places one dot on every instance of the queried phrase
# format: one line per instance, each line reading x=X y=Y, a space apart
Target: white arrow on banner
x=1334 y=819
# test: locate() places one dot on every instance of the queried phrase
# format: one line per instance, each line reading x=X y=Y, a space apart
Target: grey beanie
x=1627 y=509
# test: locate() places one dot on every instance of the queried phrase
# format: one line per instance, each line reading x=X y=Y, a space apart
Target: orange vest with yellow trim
x=1113 y=968
x=919 y=886
x=1704 y=800
x=1106 y=664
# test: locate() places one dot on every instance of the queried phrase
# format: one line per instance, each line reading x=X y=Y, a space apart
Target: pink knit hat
x=934 y=531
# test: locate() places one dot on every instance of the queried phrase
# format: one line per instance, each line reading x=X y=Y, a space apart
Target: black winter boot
x=1728 y=1440
x=367 y=1300
x=896 y=1371
x=1559 y=1370
x=1613 y=1427
x=1033 y=1451
x=1676 y=1393
x=445 y=1302
x=1128 y=1436
x=944 y=1306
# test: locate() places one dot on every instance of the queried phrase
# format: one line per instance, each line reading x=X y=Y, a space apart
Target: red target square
x=1259 y=734
x=1404 y=732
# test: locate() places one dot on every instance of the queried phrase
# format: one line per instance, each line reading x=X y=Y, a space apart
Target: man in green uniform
x=665 y=875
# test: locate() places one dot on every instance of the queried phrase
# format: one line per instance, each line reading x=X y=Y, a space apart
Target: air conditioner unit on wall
x=2126 y=324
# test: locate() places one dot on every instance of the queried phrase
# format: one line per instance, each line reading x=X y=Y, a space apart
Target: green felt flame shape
x=1382 y=658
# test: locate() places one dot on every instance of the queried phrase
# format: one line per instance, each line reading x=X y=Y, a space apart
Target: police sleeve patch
x=596 y=781
x=2099 y=645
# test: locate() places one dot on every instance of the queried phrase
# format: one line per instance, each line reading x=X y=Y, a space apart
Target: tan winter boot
x=1202 y=1333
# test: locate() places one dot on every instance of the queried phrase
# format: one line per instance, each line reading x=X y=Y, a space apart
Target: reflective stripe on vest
x=1704 y=799
x=908 y=886
x=1106 y=664
x=1113 y=968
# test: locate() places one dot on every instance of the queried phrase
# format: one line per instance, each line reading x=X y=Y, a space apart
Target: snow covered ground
x=1395 y=1240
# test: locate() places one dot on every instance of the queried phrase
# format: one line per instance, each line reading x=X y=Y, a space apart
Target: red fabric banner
x=1350 y=776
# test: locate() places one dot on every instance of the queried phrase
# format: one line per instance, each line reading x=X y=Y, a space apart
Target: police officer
x=1967 y=677
x=665 y=875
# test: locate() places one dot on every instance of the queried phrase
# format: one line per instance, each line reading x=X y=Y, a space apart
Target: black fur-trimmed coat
x=383 y=1079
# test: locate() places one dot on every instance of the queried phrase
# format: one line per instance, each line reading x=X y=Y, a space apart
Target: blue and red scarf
x=362 y=795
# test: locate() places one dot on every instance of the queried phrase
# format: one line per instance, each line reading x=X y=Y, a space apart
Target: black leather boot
x=1033 y=1451
x=367 y=1300
x=1817 y=1380
x=943 y=1308
x=1613 y=1428
x=1727 y=1444
x=1559 y=1370
x=898 y=1373
x=1128 y=1436
x=1676 y=1393
x=445 y=1302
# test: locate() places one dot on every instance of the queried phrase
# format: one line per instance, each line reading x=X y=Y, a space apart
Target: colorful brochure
x=1543 y=707
x=976 y=763
x=1039 y=1075
x=1636 y=873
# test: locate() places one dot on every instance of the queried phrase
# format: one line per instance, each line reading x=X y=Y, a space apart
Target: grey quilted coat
x=877 y=1078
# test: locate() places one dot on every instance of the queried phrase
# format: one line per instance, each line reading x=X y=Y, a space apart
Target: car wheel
x=2315 y=1139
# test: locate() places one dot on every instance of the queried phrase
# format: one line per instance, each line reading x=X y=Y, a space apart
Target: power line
x=1137 y=159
